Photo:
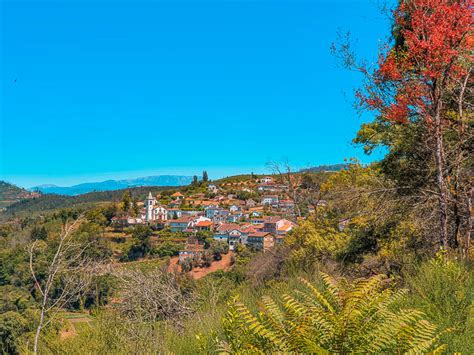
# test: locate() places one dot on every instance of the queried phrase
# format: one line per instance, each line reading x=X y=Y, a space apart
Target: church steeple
x=149 y=204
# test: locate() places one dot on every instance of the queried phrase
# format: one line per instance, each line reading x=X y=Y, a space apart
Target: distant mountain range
x=111 y=185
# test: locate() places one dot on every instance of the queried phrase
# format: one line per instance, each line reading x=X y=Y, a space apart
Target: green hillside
x=51 y=202
x=10 y=194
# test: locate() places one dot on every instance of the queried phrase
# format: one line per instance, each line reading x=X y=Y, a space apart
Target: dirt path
x=198 y=272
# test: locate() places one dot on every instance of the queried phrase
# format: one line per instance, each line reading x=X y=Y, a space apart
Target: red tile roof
x=204 y=224
x=258 y=234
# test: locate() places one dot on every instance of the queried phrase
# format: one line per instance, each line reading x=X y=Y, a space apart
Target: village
x=256 y=213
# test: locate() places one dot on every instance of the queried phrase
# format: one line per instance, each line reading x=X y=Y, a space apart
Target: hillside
x=323 y=168
x=50 y=202
x=111 y=185
x=10 y=194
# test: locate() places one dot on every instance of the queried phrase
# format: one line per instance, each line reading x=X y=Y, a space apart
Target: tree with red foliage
x=424 y=78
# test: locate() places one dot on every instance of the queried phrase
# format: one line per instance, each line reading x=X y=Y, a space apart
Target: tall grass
x=443 y=288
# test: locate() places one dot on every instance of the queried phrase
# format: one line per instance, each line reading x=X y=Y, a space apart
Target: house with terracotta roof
x=203 y=225
x=223 y=230
x=277 y=225
x=178 y=196
x=260 y=240
x=233 y=233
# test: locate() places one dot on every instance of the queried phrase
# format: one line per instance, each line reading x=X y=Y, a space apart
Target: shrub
x=443 y=288
x=186 y=264
x=312 y=242
x=167 y=249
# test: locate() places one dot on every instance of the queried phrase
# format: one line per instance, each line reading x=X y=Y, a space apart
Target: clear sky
x=92 y=90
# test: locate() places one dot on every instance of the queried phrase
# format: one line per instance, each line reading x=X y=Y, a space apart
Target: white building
x=212 y=188
x=270 y=200
x=267 y=180
x=153 y=211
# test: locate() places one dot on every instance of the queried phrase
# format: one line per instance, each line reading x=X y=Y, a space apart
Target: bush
x=443 y=288
x=312 y=242
x=206 y=258
x=218 y=248
x=167 y=249
x=186 y=264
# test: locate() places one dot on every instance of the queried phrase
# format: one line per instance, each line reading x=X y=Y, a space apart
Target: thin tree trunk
x=442 y=197
x=38 y=330
x=467 y=242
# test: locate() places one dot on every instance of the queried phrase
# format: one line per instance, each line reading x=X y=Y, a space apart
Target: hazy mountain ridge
x=111 y=185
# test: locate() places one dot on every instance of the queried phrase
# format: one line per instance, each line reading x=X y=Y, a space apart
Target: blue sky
x=92 y=90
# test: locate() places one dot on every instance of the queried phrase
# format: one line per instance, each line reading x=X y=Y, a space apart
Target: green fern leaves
x=336 y=318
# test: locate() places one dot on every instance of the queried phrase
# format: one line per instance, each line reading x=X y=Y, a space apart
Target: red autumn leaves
x=436 y=48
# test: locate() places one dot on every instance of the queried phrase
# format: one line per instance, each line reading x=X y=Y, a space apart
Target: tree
x=135 y=207
x=12 y=326
x=126 y=200
x=153 y=295
x=206 y=258
x=205 y=177
x=287 y=176
x=67 y=266
x=195 y=181
x=423 y=79
x=218 y=248
x=39 y=233
x=336 y=318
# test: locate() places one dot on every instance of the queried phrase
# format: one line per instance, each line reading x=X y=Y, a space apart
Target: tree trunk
x=442 y=196
x=467 y=242
x=38 y=331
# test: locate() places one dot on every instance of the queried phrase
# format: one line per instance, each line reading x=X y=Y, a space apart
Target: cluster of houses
x=260 y=222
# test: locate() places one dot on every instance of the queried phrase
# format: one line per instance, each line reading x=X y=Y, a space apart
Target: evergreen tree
x=205 y=177
x=39 y=233
x=126 y=200
x=135 y=207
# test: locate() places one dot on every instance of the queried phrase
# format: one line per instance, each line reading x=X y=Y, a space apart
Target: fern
x=336 y=318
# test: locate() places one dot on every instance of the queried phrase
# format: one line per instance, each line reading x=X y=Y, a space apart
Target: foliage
x=126 y=200
x=443 y=288
x=336 y=318
x=167 y=249
x=313 y=241
x=153 y=295
x=39 y=233
x=218 y=248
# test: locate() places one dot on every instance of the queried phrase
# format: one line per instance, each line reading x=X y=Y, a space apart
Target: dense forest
x=385 y=265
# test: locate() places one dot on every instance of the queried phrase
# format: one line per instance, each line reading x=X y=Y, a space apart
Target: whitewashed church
x=153 y=211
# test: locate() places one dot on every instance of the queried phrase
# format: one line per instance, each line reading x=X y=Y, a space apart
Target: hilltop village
x=257 y=213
